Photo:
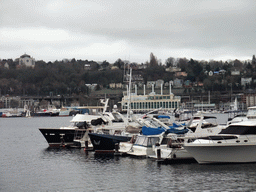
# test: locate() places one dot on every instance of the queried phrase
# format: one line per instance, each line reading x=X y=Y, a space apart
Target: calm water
x=28 y=165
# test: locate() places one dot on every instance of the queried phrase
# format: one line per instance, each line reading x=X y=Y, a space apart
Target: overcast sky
x=128 y=29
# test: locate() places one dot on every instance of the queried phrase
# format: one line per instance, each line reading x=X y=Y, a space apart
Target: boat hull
x=141 y=151
x=168 y=153
x=58 y=137
x=106 y=142
x=232 y=153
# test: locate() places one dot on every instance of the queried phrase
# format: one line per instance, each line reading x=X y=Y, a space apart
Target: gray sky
x=128 y=29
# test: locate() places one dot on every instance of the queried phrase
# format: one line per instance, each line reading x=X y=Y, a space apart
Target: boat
x=164 y=142
x=203 y=125
x=28 y=114
x=77 y=133
x=154 y=132
x=171 y=150
x=117 y=130
x=68 y=111
x=11 y=113
x=64 y=136
x=234 y=144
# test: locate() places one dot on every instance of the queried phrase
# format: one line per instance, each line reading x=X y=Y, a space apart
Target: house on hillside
x=235 y=72
x=26 y=60
x=159 y=83
x=181 y=74
x=177 y=83
x=245 y=81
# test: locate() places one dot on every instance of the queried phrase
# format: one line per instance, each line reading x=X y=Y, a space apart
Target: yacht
x=234 y=144
x=172 y=148
x=77 y=132
x=118 y=129
x=65 y=136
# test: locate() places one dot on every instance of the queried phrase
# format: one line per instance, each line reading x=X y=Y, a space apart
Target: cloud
x=132 y=29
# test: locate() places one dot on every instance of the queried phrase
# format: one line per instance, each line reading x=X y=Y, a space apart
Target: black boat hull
x=57 y=137
x=106 y=142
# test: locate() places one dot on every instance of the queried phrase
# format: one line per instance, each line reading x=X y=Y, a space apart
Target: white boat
x=234 y=144
x=154 y=131
x=202 y=125
x=172 y=148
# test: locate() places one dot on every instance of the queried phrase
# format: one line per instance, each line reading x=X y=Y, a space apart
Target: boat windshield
x=146 y=141
x=251 y=114
x=117 y=118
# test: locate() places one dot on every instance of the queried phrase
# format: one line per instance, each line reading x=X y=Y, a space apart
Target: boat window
x=152 y=141
x=165 y=140
x=139 y=140
x=117 y=118
x=251 y=112
x=145 y=142
x=239 y=130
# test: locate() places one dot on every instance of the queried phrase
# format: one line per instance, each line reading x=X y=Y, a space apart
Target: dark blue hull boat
x=106 y=142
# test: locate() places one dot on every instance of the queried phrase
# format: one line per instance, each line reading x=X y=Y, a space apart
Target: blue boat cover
x=177 y=125
x=159 y=130
x=163 y=116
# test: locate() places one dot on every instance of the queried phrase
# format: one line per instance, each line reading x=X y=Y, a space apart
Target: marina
x=28 y=164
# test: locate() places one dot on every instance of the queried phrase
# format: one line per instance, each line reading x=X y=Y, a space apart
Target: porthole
x=238 y=141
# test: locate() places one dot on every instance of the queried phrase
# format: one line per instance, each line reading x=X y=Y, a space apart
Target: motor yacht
x=234 y=144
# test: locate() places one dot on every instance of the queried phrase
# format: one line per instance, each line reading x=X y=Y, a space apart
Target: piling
x=158 y=153
x=116 y=149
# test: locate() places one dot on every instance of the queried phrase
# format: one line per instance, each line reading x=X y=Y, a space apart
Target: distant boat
x=11 y=113
x=28 y=113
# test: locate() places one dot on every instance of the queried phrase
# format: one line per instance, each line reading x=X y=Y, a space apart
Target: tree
x=105 y=64
x=170 y=62
x=153 y=60
x=119 y=63
x=182 y=63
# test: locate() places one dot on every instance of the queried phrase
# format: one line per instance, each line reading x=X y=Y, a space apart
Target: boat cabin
x=146 y=141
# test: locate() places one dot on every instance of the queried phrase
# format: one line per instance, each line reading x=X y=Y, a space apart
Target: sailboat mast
x=129 y=94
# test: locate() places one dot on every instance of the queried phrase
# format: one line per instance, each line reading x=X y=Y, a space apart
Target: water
x=26 y=164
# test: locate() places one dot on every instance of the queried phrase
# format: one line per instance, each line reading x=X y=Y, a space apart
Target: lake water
x=28 y=165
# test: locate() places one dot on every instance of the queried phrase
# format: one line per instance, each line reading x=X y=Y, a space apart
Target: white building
x=26 y=60
x=245 y=81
